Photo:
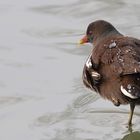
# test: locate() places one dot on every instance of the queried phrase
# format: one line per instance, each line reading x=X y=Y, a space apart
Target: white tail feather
x=126 y=93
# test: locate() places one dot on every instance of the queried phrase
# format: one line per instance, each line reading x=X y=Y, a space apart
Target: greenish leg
x=132 y=107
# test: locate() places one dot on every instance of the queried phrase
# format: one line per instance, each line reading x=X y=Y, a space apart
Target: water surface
x=42 y=96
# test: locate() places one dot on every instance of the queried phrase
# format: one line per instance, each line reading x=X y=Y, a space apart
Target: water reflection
x=85 y=100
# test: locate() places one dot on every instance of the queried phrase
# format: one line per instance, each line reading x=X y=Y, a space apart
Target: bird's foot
x=129 y=126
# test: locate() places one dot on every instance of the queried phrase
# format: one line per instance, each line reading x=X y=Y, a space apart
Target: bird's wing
x=88 y=79
x=124 y=59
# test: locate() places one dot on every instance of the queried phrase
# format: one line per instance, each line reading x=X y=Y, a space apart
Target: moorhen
x=113 y=67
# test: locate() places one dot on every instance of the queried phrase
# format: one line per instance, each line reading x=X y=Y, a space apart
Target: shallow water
x=42 y=96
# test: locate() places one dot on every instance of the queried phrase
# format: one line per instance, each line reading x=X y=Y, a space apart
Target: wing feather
x=124 y=58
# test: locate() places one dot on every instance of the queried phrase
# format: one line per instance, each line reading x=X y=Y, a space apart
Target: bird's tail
x=131 y=86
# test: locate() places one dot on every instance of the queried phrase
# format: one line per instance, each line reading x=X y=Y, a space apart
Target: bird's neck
x=106 y=35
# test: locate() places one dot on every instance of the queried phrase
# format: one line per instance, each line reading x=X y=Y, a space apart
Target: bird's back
x=118 y=63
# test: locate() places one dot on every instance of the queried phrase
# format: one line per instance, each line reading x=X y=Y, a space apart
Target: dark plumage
x=113 y=68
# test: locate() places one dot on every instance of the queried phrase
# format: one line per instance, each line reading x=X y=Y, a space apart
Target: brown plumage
x=113 y=68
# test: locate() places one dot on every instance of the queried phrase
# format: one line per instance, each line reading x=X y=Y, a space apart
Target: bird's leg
x=132 y=107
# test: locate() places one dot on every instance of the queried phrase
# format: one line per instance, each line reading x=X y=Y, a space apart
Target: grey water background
x=42 y=96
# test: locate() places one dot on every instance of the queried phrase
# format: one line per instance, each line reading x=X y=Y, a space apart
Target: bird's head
x=98 y=30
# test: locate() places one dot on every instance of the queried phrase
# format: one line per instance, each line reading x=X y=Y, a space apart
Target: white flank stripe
x=88 y=62
x=127 y=93
x=95 y=74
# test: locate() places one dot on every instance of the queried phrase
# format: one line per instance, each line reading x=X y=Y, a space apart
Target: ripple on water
x=81 y=6
x=83 y=126
x=90 y=124
x=18 y=64
x=4 y=101
x=45 y=33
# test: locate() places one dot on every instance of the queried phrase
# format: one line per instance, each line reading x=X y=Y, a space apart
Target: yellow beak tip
x=81 y=42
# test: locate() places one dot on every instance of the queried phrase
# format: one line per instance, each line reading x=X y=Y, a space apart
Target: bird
x=113 y=67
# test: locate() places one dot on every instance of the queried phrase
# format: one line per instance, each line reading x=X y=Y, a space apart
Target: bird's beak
x=83 y=40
